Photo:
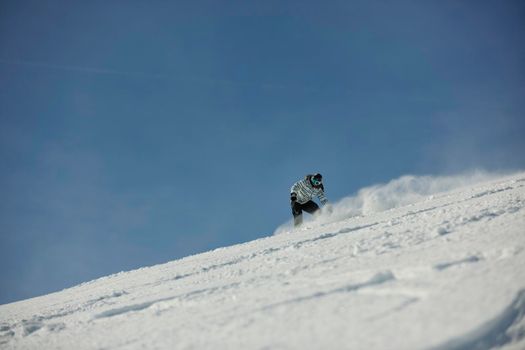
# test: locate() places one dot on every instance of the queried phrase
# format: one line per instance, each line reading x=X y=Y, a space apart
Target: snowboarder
x=301 y=196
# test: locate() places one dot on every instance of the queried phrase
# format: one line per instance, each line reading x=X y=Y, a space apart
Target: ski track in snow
x=496 y=332
x=446 y=272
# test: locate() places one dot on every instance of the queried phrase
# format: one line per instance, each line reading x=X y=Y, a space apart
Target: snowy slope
x=445 y=272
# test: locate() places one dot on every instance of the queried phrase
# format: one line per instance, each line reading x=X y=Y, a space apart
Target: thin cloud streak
x=104 y=71
x=81 y=69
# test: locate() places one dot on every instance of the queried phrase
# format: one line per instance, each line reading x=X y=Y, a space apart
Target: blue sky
x=137 y=132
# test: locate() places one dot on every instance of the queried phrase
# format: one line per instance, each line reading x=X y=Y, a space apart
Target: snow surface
x=398 y=266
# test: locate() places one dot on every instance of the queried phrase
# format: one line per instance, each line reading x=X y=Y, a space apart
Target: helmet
x=316 y=179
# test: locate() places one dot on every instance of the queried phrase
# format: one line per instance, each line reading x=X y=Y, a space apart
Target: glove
x=293 y=197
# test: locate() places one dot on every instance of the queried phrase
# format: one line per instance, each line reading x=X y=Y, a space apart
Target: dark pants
x=297 y=211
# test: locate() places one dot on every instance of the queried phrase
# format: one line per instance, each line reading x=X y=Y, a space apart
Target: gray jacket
x=305 y=191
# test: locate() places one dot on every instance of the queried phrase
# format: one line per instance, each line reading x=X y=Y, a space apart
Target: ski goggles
x=316 y=182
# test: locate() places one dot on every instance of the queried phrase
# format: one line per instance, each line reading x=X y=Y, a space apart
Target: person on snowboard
x=301 y=196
